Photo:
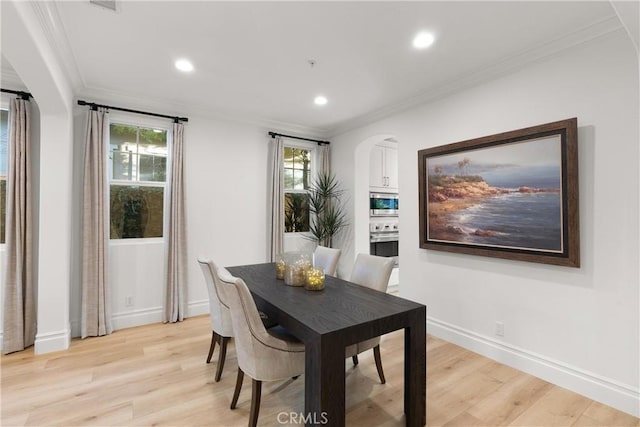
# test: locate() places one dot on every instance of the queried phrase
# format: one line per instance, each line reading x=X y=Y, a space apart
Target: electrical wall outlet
x=500 y=329
x=128 y=301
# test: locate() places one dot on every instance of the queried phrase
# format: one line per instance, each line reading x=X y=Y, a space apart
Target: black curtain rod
x=21 y=94
x=319 y=142
x=95 y=106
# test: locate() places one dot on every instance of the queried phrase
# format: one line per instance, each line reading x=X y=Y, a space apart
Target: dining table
x=328 y=321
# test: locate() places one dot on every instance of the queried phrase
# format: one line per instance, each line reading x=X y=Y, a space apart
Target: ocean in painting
x=515 y=219
x=520 y=220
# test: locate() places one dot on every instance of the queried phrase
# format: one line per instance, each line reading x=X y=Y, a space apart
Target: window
x=4 y=159
x=297 y=176
x=138 y=169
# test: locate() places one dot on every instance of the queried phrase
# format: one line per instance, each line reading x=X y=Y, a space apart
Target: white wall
x=226 y=188
x=575 y=327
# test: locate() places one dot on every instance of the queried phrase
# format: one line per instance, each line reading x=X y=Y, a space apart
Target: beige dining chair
x=327 y=259
x=264 y=355
x=373 y=272
x=221 y=325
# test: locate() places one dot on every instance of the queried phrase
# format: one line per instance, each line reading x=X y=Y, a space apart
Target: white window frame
x=312 y=148
x=143 y=122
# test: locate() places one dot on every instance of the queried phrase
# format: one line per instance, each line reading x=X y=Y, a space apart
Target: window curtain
x=19 y=294
x=176 y=241
x=324 y=156
x=277 y=197
x=96 y=308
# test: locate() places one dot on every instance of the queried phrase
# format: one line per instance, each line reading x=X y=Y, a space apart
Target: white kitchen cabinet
x=383 y=168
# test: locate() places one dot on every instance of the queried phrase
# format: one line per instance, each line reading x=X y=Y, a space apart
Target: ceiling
x=252 y=58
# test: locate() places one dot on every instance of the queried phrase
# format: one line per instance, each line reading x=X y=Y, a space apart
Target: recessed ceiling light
x=423 y=40
x=184 y=65
x=320 y=100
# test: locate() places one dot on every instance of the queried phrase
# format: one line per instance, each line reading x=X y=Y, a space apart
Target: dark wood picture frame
x=512 y=195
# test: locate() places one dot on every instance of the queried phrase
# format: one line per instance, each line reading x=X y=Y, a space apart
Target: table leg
x=415 y=370
x=324 y=398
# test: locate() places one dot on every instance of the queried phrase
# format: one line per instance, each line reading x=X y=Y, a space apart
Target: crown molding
x=11 y=80
x=629 y=14
x=53 y=29
x=506 y=66
x=170 y=107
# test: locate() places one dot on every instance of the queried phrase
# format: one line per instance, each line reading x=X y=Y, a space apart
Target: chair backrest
x=327 y=259
x=252 y=335
x=372 y=271
x=218 y=305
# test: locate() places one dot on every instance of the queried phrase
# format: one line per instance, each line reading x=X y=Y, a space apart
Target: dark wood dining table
x=327 y=322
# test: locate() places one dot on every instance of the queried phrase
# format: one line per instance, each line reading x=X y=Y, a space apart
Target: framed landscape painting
x=512 y=195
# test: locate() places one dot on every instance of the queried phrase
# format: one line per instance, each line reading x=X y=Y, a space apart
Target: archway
x=361 y=218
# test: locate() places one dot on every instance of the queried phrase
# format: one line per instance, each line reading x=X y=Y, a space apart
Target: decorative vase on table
x=280 y=267
x=296 y=266
x=314 y=279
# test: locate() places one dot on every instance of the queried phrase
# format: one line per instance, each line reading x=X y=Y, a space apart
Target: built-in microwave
x=383 y=204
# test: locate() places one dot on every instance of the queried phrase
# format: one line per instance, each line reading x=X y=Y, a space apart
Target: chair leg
x=376 y=356
x=222 y=356
x=236 y=392
x=355 y=359
x=212 y=346
x=256 y=389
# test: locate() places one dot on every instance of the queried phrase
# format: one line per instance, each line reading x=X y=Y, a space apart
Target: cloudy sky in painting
x=532 y=152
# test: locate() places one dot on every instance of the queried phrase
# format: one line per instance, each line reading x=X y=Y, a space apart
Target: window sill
x=133 y=242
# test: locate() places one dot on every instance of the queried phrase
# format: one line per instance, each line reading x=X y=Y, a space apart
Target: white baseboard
x=621 y=396
x=130 y=319
x=145 y=316
x=197 y=308
x=52 y=341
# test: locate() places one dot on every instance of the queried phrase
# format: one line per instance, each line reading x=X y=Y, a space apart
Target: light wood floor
x=156 y=375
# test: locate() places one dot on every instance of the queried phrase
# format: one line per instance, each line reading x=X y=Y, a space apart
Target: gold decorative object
x=280 y=267
x=294 y=276
x=296 y=266
x=315 y=279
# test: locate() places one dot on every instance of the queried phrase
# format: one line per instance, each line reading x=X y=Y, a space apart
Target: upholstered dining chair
x=221 y=326
x=264 y=355
x=373 y=272
x=327 y=259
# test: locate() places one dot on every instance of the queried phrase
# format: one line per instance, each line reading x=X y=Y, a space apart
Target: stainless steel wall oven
x=383 y=239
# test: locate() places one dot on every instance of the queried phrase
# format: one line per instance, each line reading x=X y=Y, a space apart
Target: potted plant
x=328 y=217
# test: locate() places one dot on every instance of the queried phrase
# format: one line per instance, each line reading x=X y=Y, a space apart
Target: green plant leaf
x=328 y=216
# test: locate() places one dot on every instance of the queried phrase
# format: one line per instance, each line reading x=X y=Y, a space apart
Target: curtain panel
x=96 y=308
x=175 y=298
x=325 y=159
x=19 y=293
x=276 y=196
